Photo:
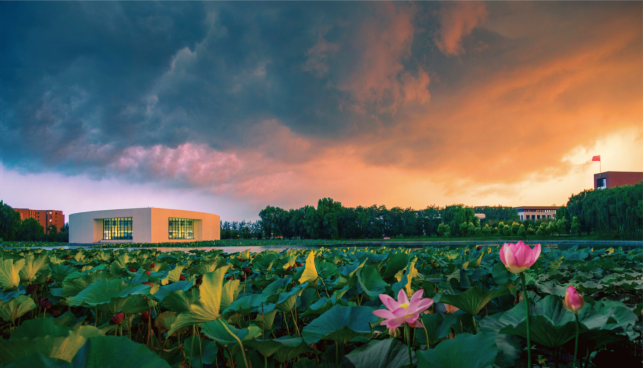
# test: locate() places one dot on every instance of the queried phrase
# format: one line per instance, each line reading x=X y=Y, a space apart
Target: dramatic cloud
x=457 y=20
x=284 y=103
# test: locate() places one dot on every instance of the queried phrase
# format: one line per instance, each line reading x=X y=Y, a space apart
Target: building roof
x=538 y=208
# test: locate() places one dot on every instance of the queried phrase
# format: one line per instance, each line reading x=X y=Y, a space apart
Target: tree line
x=12 y=228
x=615 y=211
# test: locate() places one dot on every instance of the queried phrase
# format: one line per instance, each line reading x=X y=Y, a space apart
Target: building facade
x=142 y=225
x=612 y=179
x=537 y=212
x=46 y=218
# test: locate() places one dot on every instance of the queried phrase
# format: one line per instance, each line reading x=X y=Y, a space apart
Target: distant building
x=142 y=225
x=44 y=217
x=537 y=212
x=481 y=216
x=612 y=179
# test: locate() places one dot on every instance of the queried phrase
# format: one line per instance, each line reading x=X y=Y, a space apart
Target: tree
x=462 y=229
x=471 y=229
x=446 y=231
x=515 y=227
x=9 y=222
x=562 y=226
x=52 y=233
x=552 y=227
x=540 y=231
x=495 y=231
x=30 y=230
x=531 y=230
x=486 y=230
x=522 y=231
x=507 y=230
x=441 y=229
x=575 y=226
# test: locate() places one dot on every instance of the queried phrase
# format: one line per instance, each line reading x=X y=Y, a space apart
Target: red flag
x=597 y=158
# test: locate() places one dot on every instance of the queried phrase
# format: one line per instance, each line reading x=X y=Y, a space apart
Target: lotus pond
x=315 y=308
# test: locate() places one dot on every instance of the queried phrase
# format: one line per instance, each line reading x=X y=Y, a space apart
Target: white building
x=537 y=212
x=142 y=225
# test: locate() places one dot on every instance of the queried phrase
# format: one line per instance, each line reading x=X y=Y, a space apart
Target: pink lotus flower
x=403 y=310
x=572 y=300
x=519 y=257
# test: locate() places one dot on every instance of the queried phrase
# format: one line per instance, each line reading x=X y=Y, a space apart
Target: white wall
x=84 y=227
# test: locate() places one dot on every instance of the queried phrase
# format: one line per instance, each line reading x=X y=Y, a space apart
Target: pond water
x=412 y=245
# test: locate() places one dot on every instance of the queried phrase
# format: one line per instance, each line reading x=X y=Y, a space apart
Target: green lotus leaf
x=551 y=325
x=284 y=348
x=396 y=263
x=466 y=350
x=326 y=270
x=61 y=347
x=131 y=304
x=222 y=332
x=199 y=351
x=348 y=275
x=173 y=275
x=371 y=283
x=5 y=296
x=73 y=286
x=60 y=271
x=340 y=324
x=180 y=301
x=175 y=286
x=40 y=327
x=16 y=307
x=32 y=266
x=287 y=301
x=406 y=279
x=389 y=353
x=165 y=320
x=103 y=291
x=265 y=320
x=10 y=273
x=501 y=275
x=229 y=293
x=432 y=323
x=473 y=300
x=85 y=271
x=246 y=304
x=264 y=261
x=116 y=352
x=40 y=361
x=310 y=273
x=510 y=346
x=208 y=306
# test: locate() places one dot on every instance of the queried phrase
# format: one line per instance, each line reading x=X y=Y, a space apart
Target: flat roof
x=538 y=207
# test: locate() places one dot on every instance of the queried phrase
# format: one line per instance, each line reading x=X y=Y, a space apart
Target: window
x=119 y=228
x=179 y=228
x=601 y=183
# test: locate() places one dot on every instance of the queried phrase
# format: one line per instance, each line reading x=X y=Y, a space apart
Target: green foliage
x=296 y=306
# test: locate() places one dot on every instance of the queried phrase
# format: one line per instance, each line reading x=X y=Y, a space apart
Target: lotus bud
x=145 y=316
x=31 y=288
x=148 y=273
x=131 y=270
x=117 y=319
x=573 y=301
x=182 y=278
x=152 y=265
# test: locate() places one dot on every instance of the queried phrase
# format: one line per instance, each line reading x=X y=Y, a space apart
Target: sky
x=227 y=107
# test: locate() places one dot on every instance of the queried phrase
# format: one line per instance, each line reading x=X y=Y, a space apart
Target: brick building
x=44 y=217
x=612 y=179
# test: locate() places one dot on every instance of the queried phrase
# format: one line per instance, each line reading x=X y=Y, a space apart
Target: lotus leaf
x=340 y=324
x=472 y=351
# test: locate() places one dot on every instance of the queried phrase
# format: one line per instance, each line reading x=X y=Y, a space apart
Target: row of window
x=120 y=228
x=538 y=217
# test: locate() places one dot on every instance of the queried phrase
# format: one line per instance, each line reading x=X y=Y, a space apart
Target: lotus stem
x=527 y=312
x=408 y=337
x=295 y=322
x=574 y=359
x=238 y=340
x=476 y=329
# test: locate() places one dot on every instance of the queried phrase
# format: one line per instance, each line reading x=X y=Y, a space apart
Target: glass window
x=117 y=228
x=179 y=228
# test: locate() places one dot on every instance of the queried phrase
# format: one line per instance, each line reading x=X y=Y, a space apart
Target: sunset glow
x=229 y=107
